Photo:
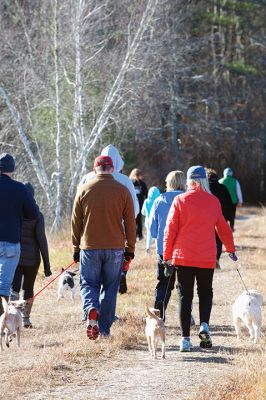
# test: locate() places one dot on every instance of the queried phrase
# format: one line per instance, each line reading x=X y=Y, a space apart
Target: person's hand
x=47 y=272
x=239 y=204
x=233 y=256
x=128 y=255
x=76 y=255
x=168 y=268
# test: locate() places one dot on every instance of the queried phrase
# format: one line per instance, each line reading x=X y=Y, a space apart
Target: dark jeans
x=186 y=278
x=139 y=225
x=28 y=273
x=163 y=288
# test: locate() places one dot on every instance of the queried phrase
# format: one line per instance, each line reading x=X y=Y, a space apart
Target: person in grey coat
x=33 y=246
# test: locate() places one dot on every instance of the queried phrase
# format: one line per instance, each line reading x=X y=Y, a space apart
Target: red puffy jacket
x=189 y=236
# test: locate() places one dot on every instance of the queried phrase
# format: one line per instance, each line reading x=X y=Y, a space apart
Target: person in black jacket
x=33 y=243
x=16 y=203
x=221 y=192
x=142 y=193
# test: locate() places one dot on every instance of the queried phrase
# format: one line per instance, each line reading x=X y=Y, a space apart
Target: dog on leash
x=11 y=321
x=154 y=331
x=247 y=311
x=66 y=281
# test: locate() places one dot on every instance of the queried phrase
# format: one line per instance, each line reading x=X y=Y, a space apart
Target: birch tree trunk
x=59 y=174
x=37 y=163
x=113 y=97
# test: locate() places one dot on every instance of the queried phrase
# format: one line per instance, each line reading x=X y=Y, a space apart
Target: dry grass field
x=56 y=361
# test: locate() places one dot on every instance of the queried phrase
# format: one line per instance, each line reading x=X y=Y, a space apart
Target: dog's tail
x=151 y=314
x=5 y=305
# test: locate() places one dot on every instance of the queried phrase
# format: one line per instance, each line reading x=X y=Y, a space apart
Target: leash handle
x=49 y=283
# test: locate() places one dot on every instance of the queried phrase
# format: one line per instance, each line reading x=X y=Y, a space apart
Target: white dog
x=66 y=281
x=154 y=330
x=247 y=310
x=11 y=321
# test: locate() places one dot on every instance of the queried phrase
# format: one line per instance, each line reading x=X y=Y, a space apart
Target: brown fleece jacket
x=99 y=208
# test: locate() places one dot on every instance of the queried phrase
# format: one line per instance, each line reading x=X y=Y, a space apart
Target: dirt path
x=133 y=375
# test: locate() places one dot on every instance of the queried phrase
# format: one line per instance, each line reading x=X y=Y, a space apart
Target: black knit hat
x=7 y=163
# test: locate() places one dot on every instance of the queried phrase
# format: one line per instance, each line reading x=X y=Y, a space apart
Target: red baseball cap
x=103 y=160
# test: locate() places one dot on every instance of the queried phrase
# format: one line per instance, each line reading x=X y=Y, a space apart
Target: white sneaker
x=205 y=337
x=185 y=345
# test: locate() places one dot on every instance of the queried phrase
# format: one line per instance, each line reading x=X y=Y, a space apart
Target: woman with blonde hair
x=175 y=185
x=142 y=193
x=190 y=246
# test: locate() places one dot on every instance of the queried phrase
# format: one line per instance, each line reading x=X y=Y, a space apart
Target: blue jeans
x=9 y=258
x=100 y=268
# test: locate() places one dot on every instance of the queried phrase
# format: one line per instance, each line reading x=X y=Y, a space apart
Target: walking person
x=234 y=189
x=103 y=234
x=153 y=194
x=112 y=152
x=15 y=203
x=142 y=193
x=189 y=245
x=33 y=245
x=221 y=192
x=175 y=185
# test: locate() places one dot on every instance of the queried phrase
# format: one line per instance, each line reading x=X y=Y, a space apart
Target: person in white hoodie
x=112 y=152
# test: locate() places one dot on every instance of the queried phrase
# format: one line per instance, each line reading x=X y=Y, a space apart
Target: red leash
x=49 y=283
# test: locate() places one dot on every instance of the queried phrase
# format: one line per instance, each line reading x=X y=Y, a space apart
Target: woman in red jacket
x=189 y=245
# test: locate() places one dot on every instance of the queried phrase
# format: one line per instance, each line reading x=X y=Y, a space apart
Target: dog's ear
x=73 y=273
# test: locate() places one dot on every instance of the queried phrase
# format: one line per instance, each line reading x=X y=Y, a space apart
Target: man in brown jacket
x=103 y=233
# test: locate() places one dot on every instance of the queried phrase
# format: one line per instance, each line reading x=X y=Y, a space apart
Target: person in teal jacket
x=153 y=193
x=233 y=186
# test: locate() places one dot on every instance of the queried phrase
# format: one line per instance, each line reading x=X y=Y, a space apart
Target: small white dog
x=11 y=321
x=247 y=311
x=154 y=330
x=66 y=281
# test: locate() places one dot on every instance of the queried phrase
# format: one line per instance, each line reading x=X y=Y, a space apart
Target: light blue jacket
x=158 y=216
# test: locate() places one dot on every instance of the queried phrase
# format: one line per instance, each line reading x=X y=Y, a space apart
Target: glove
x=47 y=272
x=168 y=269
x=233 y=256
x=76 y=255
x=128 y=255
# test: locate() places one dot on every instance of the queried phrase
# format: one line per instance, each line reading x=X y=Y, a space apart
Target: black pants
x=232 y=216
x=139 y=225
x=28 y=273
x=163 y=288
x=219 y=247
x=186 y=278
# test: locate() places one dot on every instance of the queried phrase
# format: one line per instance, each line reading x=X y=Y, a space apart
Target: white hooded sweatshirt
x=112 y=152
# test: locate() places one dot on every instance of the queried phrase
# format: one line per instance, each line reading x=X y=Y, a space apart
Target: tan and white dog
x=11 y=321
x=154 y=330
x=247 y=311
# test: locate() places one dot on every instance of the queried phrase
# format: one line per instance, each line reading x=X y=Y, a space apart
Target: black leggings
x=186 y=278
x=163 y=288
x=28 y=273
x=139 y=225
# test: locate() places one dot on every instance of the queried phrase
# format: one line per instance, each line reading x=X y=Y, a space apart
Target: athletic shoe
x=185 y=345
x=92 y=324
x=205 y=337
x=123 y=284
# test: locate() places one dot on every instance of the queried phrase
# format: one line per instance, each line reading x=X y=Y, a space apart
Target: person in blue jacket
x=153 y=193
x=175 y=185
x=16 y=203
